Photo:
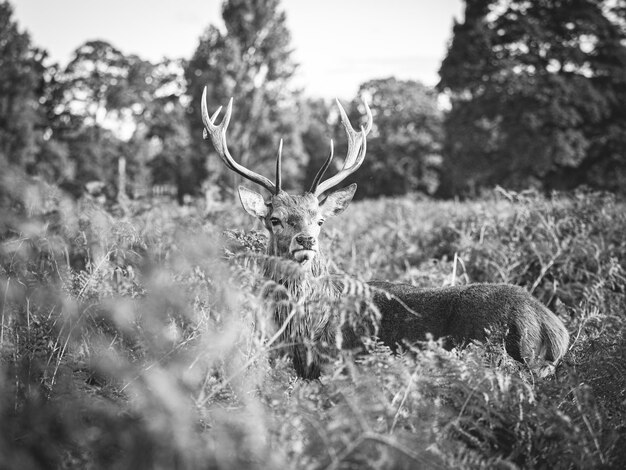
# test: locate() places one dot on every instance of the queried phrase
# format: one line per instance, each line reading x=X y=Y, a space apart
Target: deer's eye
x=275 y=221
x=320 y=222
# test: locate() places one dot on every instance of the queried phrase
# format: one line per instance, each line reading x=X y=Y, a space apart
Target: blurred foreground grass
x=140 y=341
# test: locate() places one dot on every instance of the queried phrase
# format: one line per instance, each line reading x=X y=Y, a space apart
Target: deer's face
x=295 y=222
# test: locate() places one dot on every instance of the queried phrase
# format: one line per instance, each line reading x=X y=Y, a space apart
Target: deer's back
x=460 y=313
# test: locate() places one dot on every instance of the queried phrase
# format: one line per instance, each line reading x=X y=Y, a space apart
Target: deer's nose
x=306 y=241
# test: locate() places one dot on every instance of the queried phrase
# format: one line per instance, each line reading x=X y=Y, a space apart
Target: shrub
x=142 y=342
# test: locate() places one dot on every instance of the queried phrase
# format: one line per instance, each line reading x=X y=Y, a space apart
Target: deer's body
x=531 y=333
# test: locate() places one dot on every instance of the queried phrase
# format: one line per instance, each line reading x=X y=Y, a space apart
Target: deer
x=460 y=314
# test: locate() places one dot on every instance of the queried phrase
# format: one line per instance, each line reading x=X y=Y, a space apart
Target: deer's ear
x=252 y=202
x=337 y=201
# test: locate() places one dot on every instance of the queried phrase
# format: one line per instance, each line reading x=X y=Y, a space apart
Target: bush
x=142 y=342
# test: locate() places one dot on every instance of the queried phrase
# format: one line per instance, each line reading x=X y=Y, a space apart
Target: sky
x=339 y=44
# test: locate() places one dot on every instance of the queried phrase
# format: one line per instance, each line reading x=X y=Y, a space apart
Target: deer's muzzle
x=306 y=242
x=303 y=248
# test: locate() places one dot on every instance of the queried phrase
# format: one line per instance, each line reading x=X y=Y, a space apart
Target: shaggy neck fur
x=300 y=305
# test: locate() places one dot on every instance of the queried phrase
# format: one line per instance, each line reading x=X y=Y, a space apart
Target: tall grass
x=142 y=341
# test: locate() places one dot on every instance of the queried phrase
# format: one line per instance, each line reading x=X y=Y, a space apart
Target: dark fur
x=531 y=333
x=307 y=333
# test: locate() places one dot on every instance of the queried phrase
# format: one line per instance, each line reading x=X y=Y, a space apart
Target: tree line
x=535 y=94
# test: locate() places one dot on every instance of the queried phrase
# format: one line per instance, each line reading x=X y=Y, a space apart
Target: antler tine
x=217 y=133
x=205 y=134
x=320 y=173
x=279 y=159
x=357 y=146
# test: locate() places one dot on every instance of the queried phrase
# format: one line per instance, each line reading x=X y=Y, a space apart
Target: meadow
x=138 y=339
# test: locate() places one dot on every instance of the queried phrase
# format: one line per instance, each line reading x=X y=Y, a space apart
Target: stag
x=531 y=333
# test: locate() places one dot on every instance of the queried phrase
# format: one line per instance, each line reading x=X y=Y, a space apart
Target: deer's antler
x=357 y=146
x=217 y=133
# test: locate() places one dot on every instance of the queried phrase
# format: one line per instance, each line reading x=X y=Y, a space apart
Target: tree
x=21 y=81
x=106 y=106
x=251 y=61
x=97 y=87
x=537 y=92
x=88 y=99
x=160 y=143
x=403 y=148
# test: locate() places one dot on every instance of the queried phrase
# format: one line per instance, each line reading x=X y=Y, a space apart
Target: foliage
x=21 y=80
x=158 y=150
x=143 y=343
x=105 y=105
x=536 y=90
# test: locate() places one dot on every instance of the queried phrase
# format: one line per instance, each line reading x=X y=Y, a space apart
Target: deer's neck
x=306 y=291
